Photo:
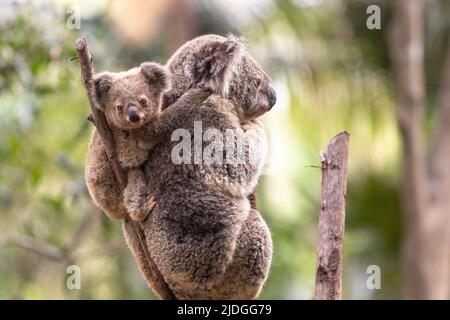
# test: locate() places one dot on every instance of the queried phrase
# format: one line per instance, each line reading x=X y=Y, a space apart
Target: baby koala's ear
x=155 y=74
x=102 y=84
x=215 y=69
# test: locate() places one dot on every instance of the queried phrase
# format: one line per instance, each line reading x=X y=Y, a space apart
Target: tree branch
x=110 y=248
x=332 y=219
x=87 y=222
x=35 y=245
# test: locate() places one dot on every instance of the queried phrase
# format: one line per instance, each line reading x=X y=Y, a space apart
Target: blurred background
x=331 y=73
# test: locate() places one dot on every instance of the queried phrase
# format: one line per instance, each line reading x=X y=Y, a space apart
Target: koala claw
x=143 y=215
x=198 y=95
x=151 y=203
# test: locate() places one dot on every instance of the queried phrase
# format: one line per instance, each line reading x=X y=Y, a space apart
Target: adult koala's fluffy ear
x=216 y=67
x=155 y=74
x=102 y=84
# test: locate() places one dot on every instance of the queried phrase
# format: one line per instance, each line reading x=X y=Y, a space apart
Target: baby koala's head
x=130 y=98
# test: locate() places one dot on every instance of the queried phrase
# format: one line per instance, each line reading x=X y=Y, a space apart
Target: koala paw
x=198 y=95
x=143 y=214
x=151 y=203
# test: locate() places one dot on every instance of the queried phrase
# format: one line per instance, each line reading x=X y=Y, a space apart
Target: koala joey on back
x=205 y=239
x=131 y=102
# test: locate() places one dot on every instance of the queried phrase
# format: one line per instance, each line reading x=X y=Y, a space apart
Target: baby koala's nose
x=132 y=112
x=272 y=97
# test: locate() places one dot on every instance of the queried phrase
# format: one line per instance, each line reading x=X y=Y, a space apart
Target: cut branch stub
x=332 y=219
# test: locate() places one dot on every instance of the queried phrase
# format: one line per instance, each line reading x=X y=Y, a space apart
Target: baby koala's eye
x=143 y=101
x=258 y=81
x=119 y=108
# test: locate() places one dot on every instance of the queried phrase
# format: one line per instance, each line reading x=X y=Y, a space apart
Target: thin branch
x=35 y=245
x=330 y=238
x=86 y=224
x=109 y=249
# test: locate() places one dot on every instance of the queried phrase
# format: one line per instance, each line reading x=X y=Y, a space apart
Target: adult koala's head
x=223 y=66
x=130 y=98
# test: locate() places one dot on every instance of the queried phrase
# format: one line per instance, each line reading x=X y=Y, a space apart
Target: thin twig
x=109 y=249
x=35 y=245
x=87 y=222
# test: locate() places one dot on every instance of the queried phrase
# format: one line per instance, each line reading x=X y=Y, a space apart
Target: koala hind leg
x=103 y=187
x=137 y=203
x=248 y=270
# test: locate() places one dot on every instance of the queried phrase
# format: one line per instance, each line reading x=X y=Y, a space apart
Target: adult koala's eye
x=143 y=101
x=119 y=108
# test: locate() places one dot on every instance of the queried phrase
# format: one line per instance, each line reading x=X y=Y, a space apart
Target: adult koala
x=202 y=234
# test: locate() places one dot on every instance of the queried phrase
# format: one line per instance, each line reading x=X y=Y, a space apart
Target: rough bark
x=99 y=120
x=424 y=203
x=330 y=238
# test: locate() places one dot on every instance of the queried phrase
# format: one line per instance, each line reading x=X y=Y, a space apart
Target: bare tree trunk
x=406 y=51
x=425 y=261
x=330 y=238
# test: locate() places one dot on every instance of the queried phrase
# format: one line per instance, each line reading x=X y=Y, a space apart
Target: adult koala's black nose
x=272 y=97
x=132 y=113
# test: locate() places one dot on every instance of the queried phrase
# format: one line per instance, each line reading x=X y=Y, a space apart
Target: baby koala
x=131 y=102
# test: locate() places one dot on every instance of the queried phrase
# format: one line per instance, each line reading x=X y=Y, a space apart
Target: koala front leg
x=137 y=203
x=174 y=116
